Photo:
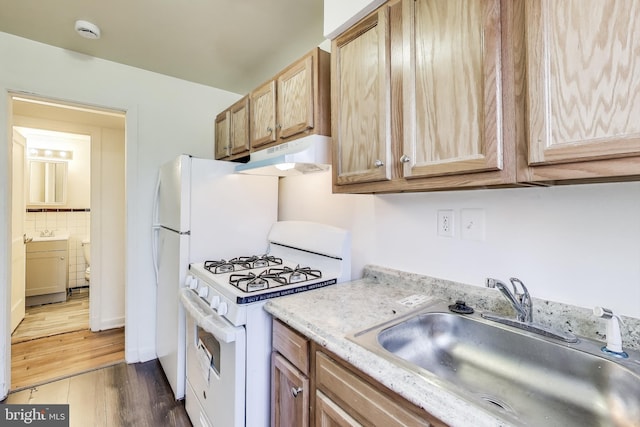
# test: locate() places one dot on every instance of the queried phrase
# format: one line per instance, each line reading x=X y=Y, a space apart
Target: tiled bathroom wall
x=76 y=222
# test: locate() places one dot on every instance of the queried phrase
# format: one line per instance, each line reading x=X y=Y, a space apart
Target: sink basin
x=56 y=236
x=523 y=378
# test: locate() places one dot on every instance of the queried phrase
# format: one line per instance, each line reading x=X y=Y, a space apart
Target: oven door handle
x=208 y=319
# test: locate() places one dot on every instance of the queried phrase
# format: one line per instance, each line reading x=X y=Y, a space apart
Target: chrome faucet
x=520 y=301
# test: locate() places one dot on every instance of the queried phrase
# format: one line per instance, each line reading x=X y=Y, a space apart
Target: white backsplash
x=77 y=224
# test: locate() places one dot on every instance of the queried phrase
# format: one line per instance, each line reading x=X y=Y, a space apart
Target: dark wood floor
x=120 y=395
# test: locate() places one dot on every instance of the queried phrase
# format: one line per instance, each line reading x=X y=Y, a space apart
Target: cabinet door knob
x=378 y=163
x=269 y=129
x=296 y=391
x=404 y=158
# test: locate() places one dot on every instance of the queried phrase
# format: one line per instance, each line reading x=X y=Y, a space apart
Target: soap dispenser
x=614 y=337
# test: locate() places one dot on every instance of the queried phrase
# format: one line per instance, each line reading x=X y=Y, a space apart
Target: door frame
x=17 y=139
x=132 y=353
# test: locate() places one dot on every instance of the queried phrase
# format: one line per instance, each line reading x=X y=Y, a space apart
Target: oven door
x=216 y=359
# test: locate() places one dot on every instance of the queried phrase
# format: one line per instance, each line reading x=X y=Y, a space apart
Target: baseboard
x=116 y=322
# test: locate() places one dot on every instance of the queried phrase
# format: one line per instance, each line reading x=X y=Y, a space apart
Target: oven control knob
x=192 y=282
x=203 y=292
x=215 y=301
x=223 y=308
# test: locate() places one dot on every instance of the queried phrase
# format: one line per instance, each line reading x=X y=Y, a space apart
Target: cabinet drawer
x=360 y=399
x=293 y=346
x=47 y=245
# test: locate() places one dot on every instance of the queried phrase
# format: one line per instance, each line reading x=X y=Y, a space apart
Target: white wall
x=309 y=198
x=577 y=244
x=341 y=14
x=165 y=117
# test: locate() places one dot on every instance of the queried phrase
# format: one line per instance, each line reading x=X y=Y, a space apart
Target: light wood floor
x=54 y=341
x=52 y=319
x=42 y=360
x=121 y=395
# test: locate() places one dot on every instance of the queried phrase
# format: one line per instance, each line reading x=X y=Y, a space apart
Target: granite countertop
x=328 y=315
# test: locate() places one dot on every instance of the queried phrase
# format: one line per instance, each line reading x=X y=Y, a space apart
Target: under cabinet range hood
x=301 y=156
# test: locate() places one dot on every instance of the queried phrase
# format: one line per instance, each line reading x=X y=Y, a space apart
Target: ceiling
x=233 y=45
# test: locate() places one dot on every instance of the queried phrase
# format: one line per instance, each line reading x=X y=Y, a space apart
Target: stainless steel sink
x=522 y=377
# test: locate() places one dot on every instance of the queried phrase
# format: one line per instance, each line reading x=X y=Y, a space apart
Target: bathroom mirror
x=47 y=182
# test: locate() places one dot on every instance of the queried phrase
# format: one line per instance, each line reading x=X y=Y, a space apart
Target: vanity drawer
x=46 y=246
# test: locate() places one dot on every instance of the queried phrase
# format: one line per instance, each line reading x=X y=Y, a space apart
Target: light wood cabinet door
x=361 y=100
x=239 y=116
x=451 y=87
x=295 y=98
x=46 y=268
x=294 y=104
x=329 y=414
x=290 y=394
x=583 y=100
x=263 y=114
x=223 y=135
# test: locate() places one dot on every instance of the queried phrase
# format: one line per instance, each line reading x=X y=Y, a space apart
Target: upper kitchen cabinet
x=583 y=83
x=361 y=98
x=223 y=134
x=263 y=117
x=421 y=100
x=451 y=87
x=232 y=131
x=295 y=103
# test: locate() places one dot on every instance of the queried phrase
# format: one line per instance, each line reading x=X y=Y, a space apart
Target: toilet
x=86 y=250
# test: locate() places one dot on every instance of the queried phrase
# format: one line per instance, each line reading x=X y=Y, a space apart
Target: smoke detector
x=87 y=30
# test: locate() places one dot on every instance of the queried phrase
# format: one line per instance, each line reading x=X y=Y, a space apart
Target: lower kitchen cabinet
x=364 y=401
x=290 y=394
x=311 y=386
x=329 y=414
x=289 y=378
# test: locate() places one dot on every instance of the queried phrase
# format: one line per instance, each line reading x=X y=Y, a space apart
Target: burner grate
x=273 y=277
x=241 y=263
x=297 y=274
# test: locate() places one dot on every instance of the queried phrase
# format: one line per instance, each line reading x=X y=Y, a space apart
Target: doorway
x=95 y=214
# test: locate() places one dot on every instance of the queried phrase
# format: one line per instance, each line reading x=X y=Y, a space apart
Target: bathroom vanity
x=47 y=270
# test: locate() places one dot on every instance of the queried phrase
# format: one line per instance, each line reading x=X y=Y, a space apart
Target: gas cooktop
x=259 y=277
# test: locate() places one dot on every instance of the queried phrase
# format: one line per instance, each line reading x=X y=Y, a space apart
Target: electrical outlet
x=445 y=223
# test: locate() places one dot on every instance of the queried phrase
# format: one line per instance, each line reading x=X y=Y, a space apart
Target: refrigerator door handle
x=155 y=228
x=156 y=202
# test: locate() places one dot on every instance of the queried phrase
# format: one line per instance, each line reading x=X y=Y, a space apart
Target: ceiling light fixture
x=87 y=30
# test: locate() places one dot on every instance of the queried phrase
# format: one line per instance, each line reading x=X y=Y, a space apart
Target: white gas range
x=228 y=331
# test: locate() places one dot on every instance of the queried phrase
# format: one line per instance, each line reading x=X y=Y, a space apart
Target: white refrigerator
x=202 y=211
